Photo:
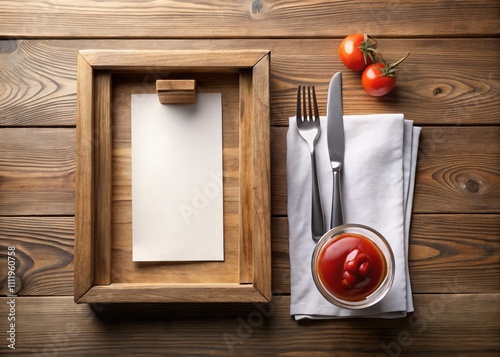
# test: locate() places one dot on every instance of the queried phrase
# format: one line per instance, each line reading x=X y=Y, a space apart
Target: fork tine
x=311 y=118
x=299 y=110
x=315 y=102
x=307 y=104
x=304 y=107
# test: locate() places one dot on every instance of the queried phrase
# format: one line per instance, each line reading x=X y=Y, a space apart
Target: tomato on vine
x=357 y=50
x=379 y=78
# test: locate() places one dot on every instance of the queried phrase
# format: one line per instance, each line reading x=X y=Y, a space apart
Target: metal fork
x=309 y=129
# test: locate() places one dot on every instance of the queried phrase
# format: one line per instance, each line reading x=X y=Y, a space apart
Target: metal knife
x=336 y=144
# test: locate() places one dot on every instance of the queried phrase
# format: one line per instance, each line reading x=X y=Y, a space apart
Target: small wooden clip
x=176 y=91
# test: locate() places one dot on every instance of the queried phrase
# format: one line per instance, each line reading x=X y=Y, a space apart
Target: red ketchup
x=351 y=267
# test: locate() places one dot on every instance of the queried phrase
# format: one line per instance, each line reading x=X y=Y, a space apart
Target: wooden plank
x=84 y=186
x=58 y=326
x=246 y=177
x=167 y=293
x=261 y=182
x=38 y=84
x=44 y=254
x=103 y=178
x=37 y=171
x=442 y=243
x=458 y=167
x=279 y=194
x=429 y=94
x=458 y=170
x=229 y=19
x=172 y=60
x=462 y=249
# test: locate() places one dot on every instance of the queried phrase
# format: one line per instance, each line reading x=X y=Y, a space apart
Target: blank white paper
x=177 y=198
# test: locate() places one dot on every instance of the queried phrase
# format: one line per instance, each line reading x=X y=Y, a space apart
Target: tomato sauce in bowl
x=343 y=273
x=353 y=266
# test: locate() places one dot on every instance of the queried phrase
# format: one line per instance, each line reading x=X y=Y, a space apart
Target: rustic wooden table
x=450 y=85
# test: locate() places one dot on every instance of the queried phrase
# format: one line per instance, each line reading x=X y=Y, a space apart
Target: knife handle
x=317 y=221
x=337 y=210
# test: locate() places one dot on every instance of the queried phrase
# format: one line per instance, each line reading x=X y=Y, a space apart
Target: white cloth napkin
x=377 y=188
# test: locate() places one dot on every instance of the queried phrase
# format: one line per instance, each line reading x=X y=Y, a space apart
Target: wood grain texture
x=40 y=77
x=456 y=178
x=261 y=171
x=103 y=174
x=168 y=293
x=172 y=60
x=246 y=330
x=44 y=254
x=38 y=84
x=181 y=91
x=461 y=250
x=441 y=242
x=458 y=170
x=248 y=18
x=85 y=188
x=246 y=178
x=37 y=171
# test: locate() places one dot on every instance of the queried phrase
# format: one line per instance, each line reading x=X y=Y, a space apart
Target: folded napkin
x=377 y=189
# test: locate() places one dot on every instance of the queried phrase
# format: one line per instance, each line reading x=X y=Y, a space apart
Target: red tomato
x=379 y=78
x=357 y=50
x=375 y=82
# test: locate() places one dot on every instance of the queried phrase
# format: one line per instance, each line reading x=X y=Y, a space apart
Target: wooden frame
x=94 y=172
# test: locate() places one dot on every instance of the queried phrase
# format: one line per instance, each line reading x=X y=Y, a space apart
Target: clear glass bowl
x=333 y=251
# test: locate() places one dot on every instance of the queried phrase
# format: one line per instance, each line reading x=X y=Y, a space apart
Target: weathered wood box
x=104 y=270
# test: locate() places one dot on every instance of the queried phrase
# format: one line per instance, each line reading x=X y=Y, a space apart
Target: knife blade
x=336 y=145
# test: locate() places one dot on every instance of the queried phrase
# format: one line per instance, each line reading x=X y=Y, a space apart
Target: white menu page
x=177 y=198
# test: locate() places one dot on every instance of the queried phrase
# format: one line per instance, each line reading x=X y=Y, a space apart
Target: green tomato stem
x=368 y=47
x=393 y=65
x=390 y=70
